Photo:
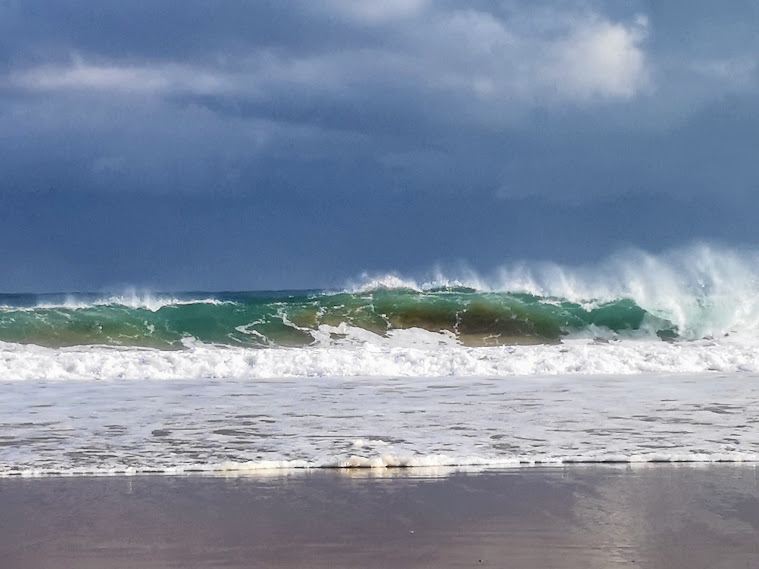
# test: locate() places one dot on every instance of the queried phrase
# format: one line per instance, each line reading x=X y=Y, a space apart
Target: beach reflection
x=571 y=517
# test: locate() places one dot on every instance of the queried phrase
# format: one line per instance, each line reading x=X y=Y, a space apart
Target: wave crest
x=702 y=290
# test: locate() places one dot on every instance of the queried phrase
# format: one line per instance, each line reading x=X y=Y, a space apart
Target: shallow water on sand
x=85 y=427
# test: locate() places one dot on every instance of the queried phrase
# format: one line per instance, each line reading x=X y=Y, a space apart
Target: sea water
x=639 y=359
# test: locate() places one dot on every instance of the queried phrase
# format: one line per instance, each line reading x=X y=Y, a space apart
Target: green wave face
x=256 y=320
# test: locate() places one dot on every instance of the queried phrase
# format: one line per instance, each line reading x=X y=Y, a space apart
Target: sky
x=239 y=145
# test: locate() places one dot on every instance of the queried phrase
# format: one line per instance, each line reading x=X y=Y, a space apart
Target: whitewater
x=640 y=358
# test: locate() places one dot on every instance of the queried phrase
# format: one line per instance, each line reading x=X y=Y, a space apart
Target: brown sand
x=576 y=517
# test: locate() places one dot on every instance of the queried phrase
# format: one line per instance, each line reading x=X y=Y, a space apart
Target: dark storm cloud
x=406 y=79
x=160 y=30
x=485 y=117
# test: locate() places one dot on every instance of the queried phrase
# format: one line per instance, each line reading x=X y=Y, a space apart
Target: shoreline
x=361 y=467
x=573 y=516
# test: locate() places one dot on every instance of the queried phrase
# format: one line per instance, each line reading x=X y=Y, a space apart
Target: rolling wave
x=698 y=293
x=471 y=317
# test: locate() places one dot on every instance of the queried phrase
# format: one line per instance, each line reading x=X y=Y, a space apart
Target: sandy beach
x=570 y=517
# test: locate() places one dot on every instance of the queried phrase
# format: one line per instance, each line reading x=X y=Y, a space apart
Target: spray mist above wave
x=155 y=303
x=702 y=290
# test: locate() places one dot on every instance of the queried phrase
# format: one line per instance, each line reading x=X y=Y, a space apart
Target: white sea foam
x=434 y=355
x=239 y=426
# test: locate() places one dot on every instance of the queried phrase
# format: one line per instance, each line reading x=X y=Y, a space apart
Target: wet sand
x=657 y=516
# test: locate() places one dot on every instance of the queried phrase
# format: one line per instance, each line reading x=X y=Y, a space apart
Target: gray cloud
x=506 y=98
x=542 y=56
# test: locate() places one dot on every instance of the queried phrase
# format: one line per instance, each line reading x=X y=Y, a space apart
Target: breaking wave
x=699 y=293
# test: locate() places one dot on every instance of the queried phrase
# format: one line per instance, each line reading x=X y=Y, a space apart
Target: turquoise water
x=261 y=319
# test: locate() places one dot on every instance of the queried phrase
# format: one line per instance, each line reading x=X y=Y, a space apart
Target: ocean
x=641 y=358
